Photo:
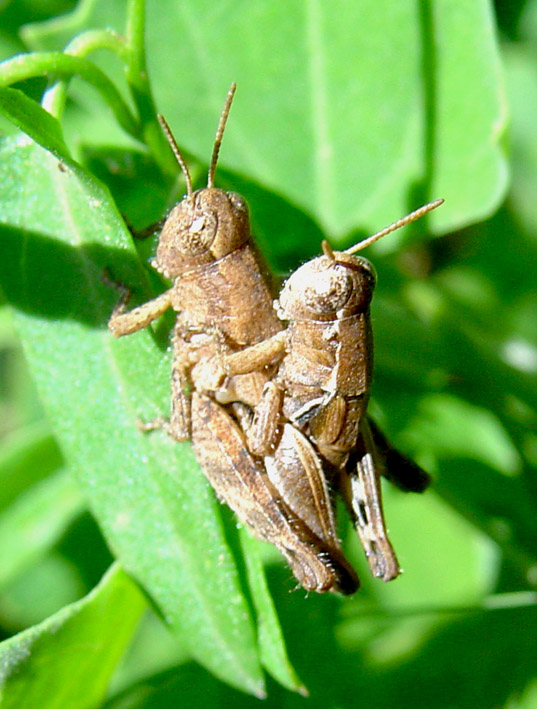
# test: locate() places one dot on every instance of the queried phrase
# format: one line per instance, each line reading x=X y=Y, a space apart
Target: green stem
x=138 y=81
x=64 y=66
x=136 y=69
x=81 y=46
x=91 y=40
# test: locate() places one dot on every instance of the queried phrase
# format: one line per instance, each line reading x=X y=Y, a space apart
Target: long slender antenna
x=396 y=225
x=220 y=133
x=178 y=155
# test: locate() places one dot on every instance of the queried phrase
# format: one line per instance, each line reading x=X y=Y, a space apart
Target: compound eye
x=201 y=233
x=369 y=269
x=238 y=202
x=328 y=291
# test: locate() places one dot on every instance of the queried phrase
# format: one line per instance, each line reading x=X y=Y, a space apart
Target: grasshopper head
x=338 y=284
x=201 y=229
x=209 y=223
x=328 y=288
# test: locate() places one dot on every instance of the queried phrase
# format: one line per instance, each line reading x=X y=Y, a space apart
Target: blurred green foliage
x=347 y=116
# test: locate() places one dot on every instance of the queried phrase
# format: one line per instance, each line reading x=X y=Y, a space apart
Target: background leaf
x=36 y=521
x=347 y=148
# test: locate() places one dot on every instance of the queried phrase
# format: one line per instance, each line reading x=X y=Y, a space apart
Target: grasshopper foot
x=171 y=430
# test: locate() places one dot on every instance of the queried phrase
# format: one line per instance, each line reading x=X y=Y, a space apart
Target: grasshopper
x=322 y=389
x=222 y=296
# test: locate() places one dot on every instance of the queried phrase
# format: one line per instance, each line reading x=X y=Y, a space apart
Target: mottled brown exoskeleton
x=322 y=389
x=223 y=300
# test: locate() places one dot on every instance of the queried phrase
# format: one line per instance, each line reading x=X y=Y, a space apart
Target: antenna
x=220 y=133
x=178 y=156
x=396 y=225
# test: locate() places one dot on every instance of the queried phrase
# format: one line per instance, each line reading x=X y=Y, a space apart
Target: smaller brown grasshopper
x=322 y=388
x=223 y=301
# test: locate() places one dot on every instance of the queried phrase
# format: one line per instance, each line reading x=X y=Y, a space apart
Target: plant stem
x=138 y=81
x=82 y=45
x=64 y=66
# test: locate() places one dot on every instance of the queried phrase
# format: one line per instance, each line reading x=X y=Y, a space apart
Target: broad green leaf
x=457 y=429
x=353 y=111
x=28 y=115
x=271 y=642
x=520 y=68
x=35 y=521
x=67 y=660
x=148 y=494
x=466 y=128
x=367 y=103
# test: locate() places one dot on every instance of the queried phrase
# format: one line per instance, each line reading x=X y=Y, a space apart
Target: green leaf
x=35 y=521
x=458 y=429
x=41 y=590
x=148 y=494
x=354 y=112
x=350 y=148
x=270 y=636
x=26 y=457
x=467 y=135
x=28 y=115
x=67 y=660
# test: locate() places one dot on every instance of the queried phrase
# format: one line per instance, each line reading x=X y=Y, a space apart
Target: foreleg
x=122 y=323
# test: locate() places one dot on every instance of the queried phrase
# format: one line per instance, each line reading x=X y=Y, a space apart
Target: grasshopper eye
x=238 y=202
x=368 y=270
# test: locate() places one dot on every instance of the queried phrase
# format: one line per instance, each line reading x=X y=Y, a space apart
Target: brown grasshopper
x=322 y=389
x=223 y=300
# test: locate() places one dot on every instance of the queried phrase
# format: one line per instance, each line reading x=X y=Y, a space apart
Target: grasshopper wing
x=242 y=483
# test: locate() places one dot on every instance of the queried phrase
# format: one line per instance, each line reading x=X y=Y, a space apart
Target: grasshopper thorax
x=327 y=288
x=202 y=229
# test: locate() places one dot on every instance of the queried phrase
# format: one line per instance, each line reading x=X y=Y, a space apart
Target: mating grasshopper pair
x=277 y=416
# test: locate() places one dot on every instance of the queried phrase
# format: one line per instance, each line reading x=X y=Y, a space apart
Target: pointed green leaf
x=28 y=115
x=67 y=660
x=147 y=492
x=271 y=641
